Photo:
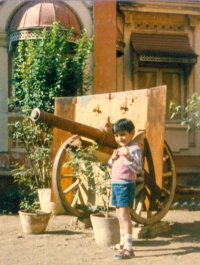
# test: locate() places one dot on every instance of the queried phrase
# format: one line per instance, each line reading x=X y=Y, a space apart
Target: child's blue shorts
x=123 y=194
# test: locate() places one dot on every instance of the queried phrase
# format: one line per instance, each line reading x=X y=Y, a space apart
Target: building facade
x=137 y=44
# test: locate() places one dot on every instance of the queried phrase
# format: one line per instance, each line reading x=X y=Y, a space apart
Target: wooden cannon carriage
x=90 y=118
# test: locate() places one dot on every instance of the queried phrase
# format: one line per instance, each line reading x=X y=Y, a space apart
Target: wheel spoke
x=165 y=157
x=167 y=192
x=140 y=204
x=81 y=198
x=84 y=188
x=139 y=187
x=167 y=174
x=160 y=205
x=140 y=179
x=74 y=202
x=72 y=187
x=78 y=195
x=66 y=176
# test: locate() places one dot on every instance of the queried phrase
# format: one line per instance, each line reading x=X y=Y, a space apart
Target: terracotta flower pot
x=106 y=229
x=34 y=223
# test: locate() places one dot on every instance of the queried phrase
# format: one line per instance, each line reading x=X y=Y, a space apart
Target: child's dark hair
x=123 y=125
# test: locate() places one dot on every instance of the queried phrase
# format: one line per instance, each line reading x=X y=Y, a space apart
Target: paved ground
x=65 y=244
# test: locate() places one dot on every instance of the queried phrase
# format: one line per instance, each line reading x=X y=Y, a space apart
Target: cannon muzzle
x=103 y=136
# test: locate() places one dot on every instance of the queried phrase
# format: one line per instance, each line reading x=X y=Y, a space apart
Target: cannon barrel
x=103 y=136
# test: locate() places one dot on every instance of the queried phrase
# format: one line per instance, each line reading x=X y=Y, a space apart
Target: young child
x=125 y=162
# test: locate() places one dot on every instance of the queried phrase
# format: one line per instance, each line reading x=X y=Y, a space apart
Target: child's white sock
x=128 y=241
x=121 y=243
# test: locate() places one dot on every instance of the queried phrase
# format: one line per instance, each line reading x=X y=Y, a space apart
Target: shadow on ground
x=64 y=232
x=180 y=235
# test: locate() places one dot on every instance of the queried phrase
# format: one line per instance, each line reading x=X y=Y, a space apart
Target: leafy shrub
x=190 y=114
x=46 y=67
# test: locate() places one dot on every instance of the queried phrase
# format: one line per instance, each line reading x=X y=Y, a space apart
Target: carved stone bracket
x=193 y=20
x=128 y=17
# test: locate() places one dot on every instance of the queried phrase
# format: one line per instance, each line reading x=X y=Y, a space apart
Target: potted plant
x=33 y=220
x=84 y=163
x=190 y=114
x=44 y=68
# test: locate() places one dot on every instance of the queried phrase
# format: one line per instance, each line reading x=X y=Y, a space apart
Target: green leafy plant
x=86 y=166
x=37 y=142
x=46 y=67
x=49 y=66
x=29 y=202
x=190 y=114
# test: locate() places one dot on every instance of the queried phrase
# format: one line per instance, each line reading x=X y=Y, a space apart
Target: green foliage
x=45 y=68
x=49 y=67
x=37 y=141
x=29 y=203
x=190 y=114
x=85 y=165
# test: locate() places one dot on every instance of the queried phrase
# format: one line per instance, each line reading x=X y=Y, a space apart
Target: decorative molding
x=31 y=34
x=167 y=59
x=173 y=27
x=153 y=25
x=175 y=8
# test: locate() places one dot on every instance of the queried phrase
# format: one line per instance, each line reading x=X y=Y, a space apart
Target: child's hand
x=126 y=152
x=115 y=155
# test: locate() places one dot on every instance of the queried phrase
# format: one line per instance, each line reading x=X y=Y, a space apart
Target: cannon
x=89 y=118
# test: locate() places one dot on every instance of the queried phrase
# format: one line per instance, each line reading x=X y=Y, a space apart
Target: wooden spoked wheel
x=138 y=213
x=77 y=195
x=72 y=191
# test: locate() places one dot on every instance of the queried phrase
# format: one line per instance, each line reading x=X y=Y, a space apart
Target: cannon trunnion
x=90 y=118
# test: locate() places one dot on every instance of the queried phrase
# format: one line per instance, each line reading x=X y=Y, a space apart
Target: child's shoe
x=125 y=254
x=116 y=247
